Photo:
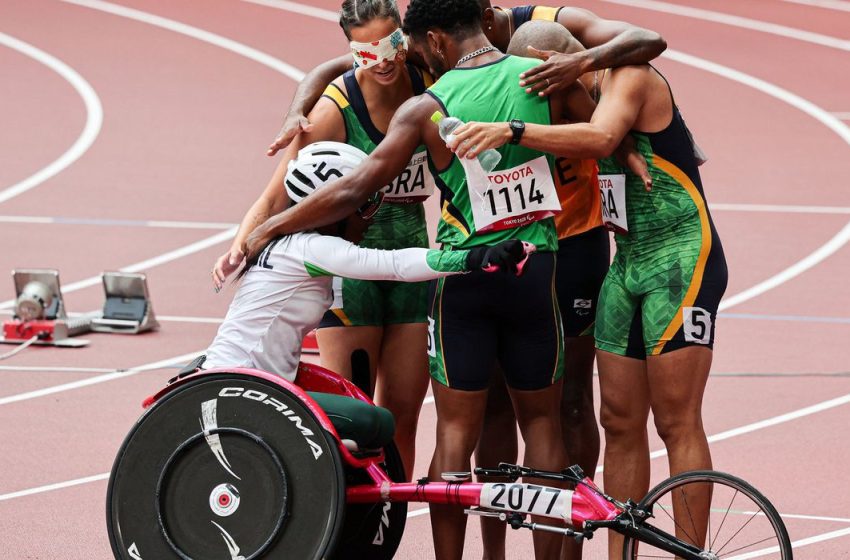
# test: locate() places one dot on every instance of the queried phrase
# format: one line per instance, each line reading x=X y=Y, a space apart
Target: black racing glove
x=505 y=255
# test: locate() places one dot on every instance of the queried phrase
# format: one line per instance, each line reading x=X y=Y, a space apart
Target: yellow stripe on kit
x=705 y=248
x=452 y=221
x=545 y=13
x=340 y=314
x=338 y=97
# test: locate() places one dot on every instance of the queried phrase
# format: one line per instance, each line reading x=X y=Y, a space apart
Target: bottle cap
x=437 y=117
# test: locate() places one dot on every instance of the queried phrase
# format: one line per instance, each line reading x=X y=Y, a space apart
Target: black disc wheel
x=373 y=531
x=227 y=466
x=740 y=522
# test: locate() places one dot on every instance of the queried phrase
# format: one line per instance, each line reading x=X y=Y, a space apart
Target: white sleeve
x=336 y=257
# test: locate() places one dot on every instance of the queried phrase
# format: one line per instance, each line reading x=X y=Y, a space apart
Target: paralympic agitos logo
x=288 y=413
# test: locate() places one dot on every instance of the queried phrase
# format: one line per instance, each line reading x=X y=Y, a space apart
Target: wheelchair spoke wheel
x=720 y=514
x=226 y=466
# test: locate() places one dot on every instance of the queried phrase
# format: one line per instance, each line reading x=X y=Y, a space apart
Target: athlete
x=583 y=258
x=387 y=319
x=477 y=321
x=609 y=43
x=287 y=289
x=658 y=308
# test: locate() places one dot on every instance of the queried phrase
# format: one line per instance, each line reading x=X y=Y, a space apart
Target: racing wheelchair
x=242 y=464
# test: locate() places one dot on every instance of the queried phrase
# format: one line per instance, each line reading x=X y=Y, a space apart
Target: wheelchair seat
x=370 y=427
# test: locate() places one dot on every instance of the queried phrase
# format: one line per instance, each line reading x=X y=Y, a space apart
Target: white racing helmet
x=319 y=164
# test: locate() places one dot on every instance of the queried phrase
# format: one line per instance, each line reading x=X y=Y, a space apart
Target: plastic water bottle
x=488 y=159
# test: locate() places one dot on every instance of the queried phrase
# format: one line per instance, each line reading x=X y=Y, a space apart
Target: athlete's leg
x=337 y=343
x=402 y=383
x=624 y=393
x=578 y=418
x=583 y=262
x=540 y=424
x=459 y=418
x=498 y=443
x=676 y=385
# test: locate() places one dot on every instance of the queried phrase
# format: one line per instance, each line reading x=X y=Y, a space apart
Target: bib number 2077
x=527 y=498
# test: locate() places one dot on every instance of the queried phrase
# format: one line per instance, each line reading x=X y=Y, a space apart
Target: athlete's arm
x=306 y=95
x=340 y=198
x=618 y=109
x=609 y=44
x=328 y=125
x=611 y=121
x=342 y=258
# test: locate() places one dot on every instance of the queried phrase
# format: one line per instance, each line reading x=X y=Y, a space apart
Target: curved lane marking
x=298 y=8
x=196 y=33
x=737 y=21
x=807 y=107
x=94 y=117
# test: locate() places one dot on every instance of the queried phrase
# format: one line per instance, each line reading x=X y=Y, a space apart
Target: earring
x=489 y=28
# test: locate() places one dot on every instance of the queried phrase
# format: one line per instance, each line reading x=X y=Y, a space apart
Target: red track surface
x=185 y=127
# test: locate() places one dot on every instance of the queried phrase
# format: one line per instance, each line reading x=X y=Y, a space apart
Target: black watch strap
x=517 y=128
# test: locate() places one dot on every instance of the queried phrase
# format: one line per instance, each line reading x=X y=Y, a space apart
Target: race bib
x=513 y=197
x=415 y=183
x=528 y=498
x=612 y=189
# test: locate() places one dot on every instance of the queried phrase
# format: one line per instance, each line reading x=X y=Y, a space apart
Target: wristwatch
x=517 y=127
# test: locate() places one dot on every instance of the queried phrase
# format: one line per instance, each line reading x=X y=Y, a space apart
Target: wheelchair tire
x=373 y=531
x=226 y=465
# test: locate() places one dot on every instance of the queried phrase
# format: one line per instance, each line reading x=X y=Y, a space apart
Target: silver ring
x=547 y=82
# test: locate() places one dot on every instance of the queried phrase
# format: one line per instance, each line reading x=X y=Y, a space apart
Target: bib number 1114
x=512 y=195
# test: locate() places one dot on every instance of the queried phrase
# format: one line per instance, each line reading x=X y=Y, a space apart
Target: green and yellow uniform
x=669 y=273
x=400 y=222
x=476 y=319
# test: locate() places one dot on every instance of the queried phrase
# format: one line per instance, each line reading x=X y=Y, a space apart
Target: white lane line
x=843 y=115
x=298 y=8
x=56 y=486
x=737 y=21
x=822 y=253
x=828 y=4
x=94 y=117
x=119 y=374
x=778 y=208
x=794 y=544
x=58 y=220
x=148 y=263
x=769 y=422
x=807 y=107
x=196 y=33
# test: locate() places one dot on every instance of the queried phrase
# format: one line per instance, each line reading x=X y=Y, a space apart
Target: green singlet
x=400 y=222
x=490 y=93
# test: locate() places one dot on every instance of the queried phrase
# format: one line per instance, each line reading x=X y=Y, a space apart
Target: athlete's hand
x=472 y=138
x=504 y=256
x=224 y=266
x=293 y=125
x=254 y=245
x=557 y=73
x=628 y=156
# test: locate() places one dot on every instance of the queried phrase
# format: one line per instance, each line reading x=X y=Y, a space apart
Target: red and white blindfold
x=376 y=52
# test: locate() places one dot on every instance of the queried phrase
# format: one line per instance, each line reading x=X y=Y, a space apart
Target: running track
x=134 y=136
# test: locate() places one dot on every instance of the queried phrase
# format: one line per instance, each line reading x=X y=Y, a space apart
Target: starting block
x=40 y=312
x=127 y=308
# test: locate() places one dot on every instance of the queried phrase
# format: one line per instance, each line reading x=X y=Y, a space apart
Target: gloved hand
x=502 y=256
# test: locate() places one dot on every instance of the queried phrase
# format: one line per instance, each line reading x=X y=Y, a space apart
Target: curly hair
x=359 y=12
x=456 y=17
